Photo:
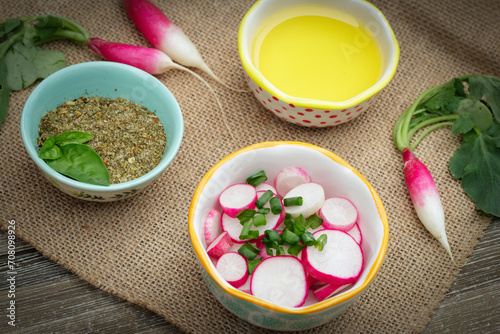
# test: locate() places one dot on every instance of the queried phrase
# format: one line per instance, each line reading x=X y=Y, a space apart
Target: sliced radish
x=339 y=263
x=339 y=214
x=355 y=232
x=313 y=197
x=233 y=227
x=233 y=268
x=213 y=227
x=280 y=280
x=328 y=290
x=266 y=186
x=237 y=197
x=220 y=245
x=289 y=178
x=246 y=287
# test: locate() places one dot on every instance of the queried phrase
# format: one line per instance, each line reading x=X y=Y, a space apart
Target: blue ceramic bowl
x=103 y=79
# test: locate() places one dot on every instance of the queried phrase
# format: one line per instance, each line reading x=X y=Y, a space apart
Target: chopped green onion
x=288 y=221
x=292 y=201
x=252 y=264
x=259 y=220
x=245 y=215
x=246 y=233
x=271 y=236
x=248 y=250
x=280 y=251
x=314 y=221
x=263 y=211
x=301 y=221
x=257 y=178
x=308 y=239
x=295 y=249
x=289 y=237
x=298 y=228
x=275 y=204
x=320 y=242
x=270 y=247
x=263 y=199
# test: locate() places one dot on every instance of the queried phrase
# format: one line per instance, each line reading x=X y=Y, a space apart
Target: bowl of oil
x=317 y=63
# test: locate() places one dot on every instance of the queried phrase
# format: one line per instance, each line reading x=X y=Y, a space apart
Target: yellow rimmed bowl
x=309 y=112
x=338 y=179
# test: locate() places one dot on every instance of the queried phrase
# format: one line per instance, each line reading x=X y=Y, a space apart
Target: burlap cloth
x=139 y=248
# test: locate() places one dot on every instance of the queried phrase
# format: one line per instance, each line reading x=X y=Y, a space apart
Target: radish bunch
x=284 y=242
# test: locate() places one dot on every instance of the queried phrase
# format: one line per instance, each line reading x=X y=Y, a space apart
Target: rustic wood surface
x=51 y=299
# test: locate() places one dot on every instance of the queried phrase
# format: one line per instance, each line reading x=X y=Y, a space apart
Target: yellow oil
x=317 y=53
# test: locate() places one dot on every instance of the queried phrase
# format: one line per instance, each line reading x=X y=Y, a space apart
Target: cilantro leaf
x=477 y=163
x=483 y=85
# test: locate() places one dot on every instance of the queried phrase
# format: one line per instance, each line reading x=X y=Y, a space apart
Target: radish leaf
x=490 y=87
x=477 y=163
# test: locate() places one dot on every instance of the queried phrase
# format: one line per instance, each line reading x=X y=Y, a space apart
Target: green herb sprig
x=67 y=154
x=22 y=61
x=471 y=106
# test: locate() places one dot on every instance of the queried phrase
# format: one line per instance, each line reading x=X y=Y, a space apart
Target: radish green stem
x=429 y=129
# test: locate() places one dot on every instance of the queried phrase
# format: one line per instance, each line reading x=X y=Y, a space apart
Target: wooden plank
x=49 y=298
x=473 y=303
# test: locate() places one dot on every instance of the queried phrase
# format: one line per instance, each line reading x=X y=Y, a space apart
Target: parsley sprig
x=471 y=106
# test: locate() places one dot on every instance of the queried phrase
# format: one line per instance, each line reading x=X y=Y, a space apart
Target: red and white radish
x=328 y=290
x=237 y=197
x=289 y=178
x=166 y=36
x=233 y=268
x=220 y=245
x=313 y=197
x=266 y=186
x=340 y=262
x=280 y=280
x=338 y=214
x=150 y=60
x=355 y=232
x=213 y=225
x=233 y=227
x=425 y=198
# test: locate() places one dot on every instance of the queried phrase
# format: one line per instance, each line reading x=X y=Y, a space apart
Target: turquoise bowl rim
x=173 y=142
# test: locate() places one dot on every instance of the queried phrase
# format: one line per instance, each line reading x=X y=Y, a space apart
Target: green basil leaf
x=490 y=87
x=50 y=150
x=480 y=114
x=72 y=137
x=82 y=163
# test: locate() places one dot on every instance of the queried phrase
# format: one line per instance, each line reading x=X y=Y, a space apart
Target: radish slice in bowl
x=237 y=197
x=281 y=280
x=338 y=214
x=339 y=263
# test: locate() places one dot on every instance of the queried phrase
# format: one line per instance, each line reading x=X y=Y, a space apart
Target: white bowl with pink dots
x=307 y=112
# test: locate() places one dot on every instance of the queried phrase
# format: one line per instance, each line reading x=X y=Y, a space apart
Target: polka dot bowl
x=309 y=112
x=338 y=178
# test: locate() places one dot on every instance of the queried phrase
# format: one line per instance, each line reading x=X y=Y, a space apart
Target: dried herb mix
x=128 y=137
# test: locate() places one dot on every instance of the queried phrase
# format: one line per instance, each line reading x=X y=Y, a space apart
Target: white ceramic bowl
x=103 y=79
x=338 y=179
x=309 y=112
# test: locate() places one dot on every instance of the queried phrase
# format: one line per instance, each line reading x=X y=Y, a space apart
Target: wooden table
x=51 y=299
